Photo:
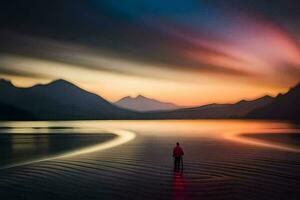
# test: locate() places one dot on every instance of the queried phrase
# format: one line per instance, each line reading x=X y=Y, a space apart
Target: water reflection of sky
x=22 y=144
x=31 y=140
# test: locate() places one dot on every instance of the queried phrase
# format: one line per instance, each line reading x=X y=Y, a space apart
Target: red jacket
x=177 y=151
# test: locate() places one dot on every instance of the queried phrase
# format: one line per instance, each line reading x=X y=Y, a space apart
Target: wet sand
x=216 y=165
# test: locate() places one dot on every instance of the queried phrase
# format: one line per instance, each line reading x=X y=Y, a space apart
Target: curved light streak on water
x=222 y=129
x=122 y=137
x=238 y=137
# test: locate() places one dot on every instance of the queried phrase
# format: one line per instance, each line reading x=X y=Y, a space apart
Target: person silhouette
x=177 y=156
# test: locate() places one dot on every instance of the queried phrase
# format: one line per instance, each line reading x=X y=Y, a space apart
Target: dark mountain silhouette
x=286 y=106
x=141 y=103
x=60 y=100
x=12 y=113
x=215 y=111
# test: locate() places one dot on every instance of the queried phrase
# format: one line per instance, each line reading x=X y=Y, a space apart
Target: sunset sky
x=189 y=52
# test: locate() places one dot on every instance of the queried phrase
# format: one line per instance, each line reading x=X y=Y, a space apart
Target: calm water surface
x=28 y=140
x=224 y=159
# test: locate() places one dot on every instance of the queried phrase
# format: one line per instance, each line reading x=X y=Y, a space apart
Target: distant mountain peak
x=137 y=97
x=60 y=82
x=263 y=98
x=142 y=103
x=55 y=83
x=242 y=101
x=126 y=97
x=284 y=106
x=266 y=97
x=140 y=97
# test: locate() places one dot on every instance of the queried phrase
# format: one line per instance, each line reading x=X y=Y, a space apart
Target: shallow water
x=224 y=159
x=22 y=147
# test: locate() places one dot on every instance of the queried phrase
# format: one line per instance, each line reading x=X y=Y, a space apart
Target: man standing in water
x=177 y=155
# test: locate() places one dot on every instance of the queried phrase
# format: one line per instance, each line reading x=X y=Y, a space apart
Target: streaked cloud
x=208 y=43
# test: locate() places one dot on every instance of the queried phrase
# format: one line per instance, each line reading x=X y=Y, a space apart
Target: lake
x=224 y=159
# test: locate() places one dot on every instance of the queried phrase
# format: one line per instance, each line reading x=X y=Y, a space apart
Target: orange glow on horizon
x=183 y=94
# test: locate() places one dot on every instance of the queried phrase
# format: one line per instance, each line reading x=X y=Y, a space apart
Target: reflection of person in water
x=177 y=155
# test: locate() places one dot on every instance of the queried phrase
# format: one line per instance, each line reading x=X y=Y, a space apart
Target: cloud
x=103 y=60
x=154 y=39
x=27 y=74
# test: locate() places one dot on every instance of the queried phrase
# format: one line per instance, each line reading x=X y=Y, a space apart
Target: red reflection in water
x=179 y=187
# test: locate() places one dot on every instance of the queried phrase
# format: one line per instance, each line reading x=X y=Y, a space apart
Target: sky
x=189 y=52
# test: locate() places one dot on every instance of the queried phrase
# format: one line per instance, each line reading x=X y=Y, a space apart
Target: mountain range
x=62 y=100
x=284 y=106
x=216 y=111
x=144 y=104
x=58 y=100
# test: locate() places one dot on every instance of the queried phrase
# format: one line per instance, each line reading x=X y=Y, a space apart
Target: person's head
x=177 y=143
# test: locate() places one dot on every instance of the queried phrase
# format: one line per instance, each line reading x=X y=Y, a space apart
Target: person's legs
x=181 y=163
x=177 y=163
x=174 y=164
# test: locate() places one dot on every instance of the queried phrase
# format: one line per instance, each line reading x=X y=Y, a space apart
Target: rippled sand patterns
x=215 y=166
